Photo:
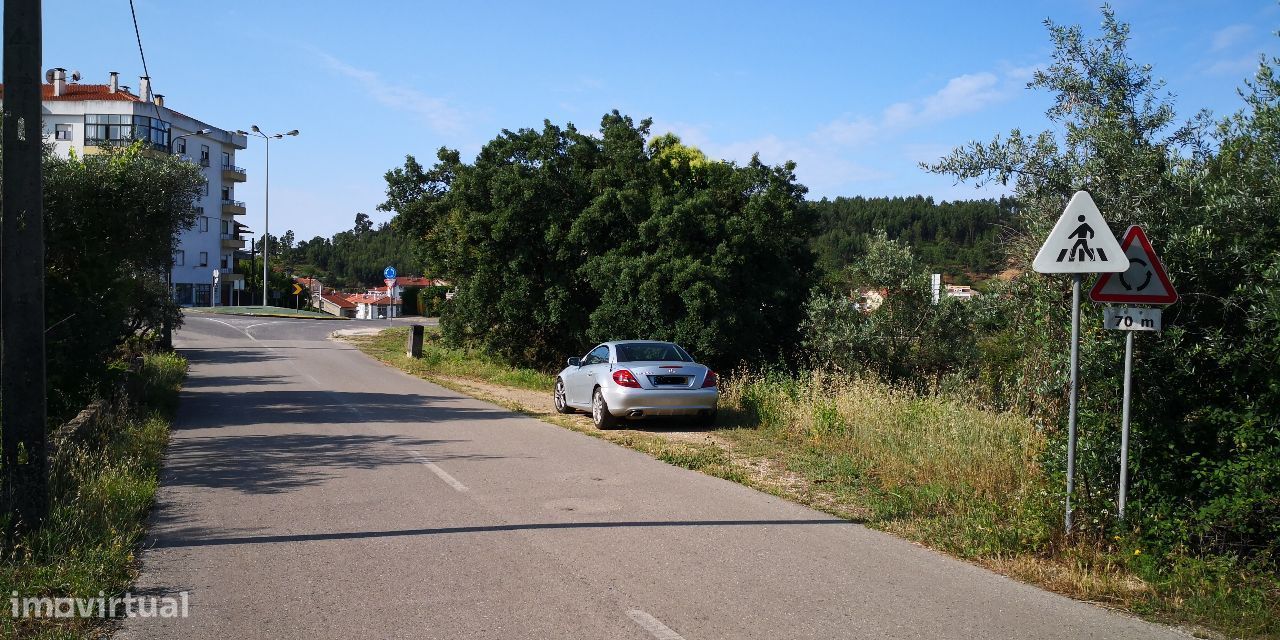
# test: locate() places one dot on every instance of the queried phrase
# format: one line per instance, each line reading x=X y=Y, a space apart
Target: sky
x=856 y=93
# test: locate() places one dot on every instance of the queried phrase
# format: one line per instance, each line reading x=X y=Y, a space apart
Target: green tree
x=554 y=239
x=112 y=220
x=1206 y=444
x=907 y=338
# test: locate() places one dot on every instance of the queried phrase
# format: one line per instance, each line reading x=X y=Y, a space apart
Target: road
x=311 y=492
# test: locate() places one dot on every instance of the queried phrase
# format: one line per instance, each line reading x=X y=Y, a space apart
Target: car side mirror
x=575 y=362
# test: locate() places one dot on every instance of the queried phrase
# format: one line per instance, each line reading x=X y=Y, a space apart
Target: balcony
x=233 y=207
x=233 y=173
x=230 y=241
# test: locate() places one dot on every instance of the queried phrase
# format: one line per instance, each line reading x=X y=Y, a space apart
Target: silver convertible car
x=637 y=379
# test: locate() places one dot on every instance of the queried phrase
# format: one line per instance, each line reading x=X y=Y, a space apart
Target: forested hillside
x=960 y=239
x=350 y=259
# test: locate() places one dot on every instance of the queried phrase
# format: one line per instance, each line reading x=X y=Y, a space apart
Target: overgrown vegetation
x=111 y=223
x=102 y=491
x=555 y=238
x=1206 y=460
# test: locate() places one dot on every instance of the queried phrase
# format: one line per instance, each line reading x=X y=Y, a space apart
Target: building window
x=203 y=294
x=206 y=188
x=61 y=132
x=226 y=227
x=179 y=258
x=204 y=155
x=204 y=259
x=226 y=159
x=204 y=224
x=180 y=145
x=112 y=128
x=182 y=293
x=226 y=193
x=226 y=262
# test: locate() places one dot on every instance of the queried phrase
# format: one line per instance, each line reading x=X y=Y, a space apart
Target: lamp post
x=166 y=332
x=266 y=209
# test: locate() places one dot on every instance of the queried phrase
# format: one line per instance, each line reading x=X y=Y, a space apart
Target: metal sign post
x=1074 y=397
x=1124 y=424
x=1080 y=243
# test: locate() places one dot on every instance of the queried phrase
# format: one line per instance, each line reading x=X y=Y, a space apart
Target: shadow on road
x=178 y=539
x=260 y=464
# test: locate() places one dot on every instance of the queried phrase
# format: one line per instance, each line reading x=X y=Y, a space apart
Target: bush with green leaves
x=556 y=239
x=111 y=223
x=907 y=338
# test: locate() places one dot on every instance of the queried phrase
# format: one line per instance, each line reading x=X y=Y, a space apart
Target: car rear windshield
x=651 y=351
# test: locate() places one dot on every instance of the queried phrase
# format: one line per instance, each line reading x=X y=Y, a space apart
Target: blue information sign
x=389 y=273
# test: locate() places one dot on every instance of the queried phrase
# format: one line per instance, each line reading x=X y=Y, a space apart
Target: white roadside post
x=1080 y=243
x=1143 y=282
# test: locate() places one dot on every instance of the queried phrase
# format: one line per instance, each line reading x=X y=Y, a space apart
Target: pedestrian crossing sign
x=1081 y=242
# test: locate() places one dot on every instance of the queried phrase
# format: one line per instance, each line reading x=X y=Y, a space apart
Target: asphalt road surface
x=311 y=492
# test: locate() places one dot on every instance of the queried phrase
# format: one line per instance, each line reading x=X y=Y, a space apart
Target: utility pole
x=25 y=493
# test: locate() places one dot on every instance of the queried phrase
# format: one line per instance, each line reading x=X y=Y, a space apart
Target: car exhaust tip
x=635 y=413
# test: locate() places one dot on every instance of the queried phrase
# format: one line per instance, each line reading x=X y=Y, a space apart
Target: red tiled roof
x=74 y=92
x=365 y=298
x=337 y=299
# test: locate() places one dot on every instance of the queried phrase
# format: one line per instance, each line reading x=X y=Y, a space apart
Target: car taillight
x=624 y=379
x=710 y=380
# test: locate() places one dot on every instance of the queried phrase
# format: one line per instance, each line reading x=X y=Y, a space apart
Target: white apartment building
x=87 y=117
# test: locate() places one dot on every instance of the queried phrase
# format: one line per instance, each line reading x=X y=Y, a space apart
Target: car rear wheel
x=600 y=412
x=562 y=405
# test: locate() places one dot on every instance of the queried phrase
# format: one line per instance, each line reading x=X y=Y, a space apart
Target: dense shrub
x=555 y=239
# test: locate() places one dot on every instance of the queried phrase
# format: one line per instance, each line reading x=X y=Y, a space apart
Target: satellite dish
x=48 y=76
x=75 y=76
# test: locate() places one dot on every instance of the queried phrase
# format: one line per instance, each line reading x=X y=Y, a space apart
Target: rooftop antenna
x=48 y=77
x=75 y=76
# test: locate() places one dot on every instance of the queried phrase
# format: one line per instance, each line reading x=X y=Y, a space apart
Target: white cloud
x=963 y=94
x=437 y=113
x=849 y=152
x=1239 y=67
x=1228 y=37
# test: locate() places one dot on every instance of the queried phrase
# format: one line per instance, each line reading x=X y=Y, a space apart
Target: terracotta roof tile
x=339 y=300
x=75 y=92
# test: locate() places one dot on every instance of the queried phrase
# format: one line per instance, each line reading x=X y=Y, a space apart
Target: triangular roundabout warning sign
x=1144 y=282
x=1081 y=242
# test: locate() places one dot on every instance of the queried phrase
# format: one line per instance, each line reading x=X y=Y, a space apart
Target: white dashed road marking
x=448 y=479
x=653 y=625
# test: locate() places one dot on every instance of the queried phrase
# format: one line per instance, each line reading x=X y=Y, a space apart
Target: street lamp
x=166 y=333
x=266 y=210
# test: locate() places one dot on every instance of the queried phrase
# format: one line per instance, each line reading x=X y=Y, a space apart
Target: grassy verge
x=101 y=498
x=389 y=346
x=954 y=477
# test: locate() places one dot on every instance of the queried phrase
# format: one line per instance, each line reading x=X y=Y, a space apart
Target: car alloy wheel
x=562 y=405
x=600 y=412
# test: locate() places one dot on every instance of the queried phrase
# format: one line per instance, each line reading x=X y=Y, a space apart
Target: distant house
x=336 y=304
x=370 y=306
x=961 y=291
x=871 y=299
